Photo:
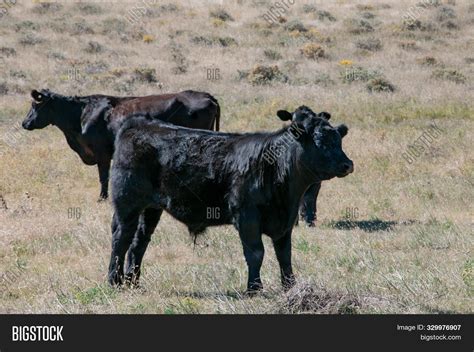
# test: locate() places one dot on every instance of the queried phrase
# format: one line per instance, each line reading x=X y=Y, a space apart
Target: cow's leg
x=104 y=167
x=308 y=204
x=251 y=237
x=283 y=253
x=123 y=229
x=146 y=226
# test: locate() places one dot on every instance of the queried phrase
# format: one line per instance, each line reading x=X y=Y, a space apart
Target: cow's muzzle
x=346 y=169
x=27 y=125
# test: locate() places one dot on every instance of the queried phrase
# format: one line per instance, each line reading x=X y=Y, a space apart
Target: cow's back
x=142 y=139
x=187 y=109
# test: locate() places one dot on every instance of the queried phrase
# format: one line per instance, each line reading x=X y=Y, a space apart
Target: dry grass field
x=393 y=237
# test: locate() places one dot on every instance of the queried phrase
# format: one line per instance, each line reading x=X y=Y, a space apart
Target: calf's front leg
x=251 y=238
x=283 y=253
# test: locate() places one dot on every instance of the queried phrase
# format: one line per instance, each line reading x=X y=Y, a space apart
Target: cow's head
x=41 y=112
x=322 y=143
x=49 y=108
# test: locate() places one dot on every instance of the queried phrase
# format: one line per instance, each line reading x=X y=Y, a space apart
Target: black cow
x=254 y=180
x=90 y=123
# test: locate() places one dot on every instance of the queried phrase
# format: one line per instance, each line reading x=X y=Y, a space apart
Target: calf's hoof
x=132 y=281
x=310 y=222
x=115 y=280
x=288 y=282
x=253 y=289
x=252 y=293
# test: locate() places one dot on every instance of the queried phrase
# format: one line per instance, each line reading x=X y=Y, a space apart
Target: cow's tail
x=218 y=112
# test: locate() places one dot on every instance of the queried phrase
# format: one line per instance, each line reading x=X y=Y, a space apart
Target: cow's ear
x=36 y=95
x=342 y=129
x=284 y=115
x=325 y=115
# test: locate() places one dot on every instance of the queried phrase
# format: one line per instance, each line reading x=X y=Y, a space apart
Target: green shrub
x=27 y=25
x=3 y=88
x=408 y=45
x=445 y=13
x=272 y=54
x=449 y=75
x=146 y=75
x=359 y=26
x=309 y=8
x=323 y=79
x=222 y=41
x=47 y=7
x=313 y=51
x=82 y=27
x=94 y=48
x=181 y=63
x=428 y=61
x=370 y=44
x=410 y=24
x=221 y=14
x=325 y=15
x=114 y=26
x=7 y=52
x=295 y=25
x=450 y=25
x=30 y=39
x=380 y=85
x=201 y=40
x=261 y=75
x=358 y=73
x=367 y=15
x=226 y=41
x=169 y=8
x=89 y=9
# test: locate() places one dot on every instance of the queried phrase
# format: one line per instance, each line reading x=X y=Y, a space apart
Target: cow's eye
x=326 y=140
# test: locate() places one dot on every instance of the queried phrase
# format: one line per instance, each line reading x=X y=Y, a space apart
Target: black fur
x=193 y=173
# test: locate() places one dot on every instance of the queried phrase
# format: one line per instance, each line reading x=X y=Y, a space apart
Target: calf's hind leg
x=123 y=230
x=147 y=223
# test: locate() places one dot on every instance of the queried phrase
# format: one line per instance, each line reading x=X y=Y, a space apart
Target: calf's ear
x=36 y=95
x=325 y=115
x=284 y=115
x=342 y=129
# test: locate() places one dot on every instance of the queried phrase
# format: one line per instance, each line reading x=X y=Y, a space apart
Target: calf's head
x=322 y=143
